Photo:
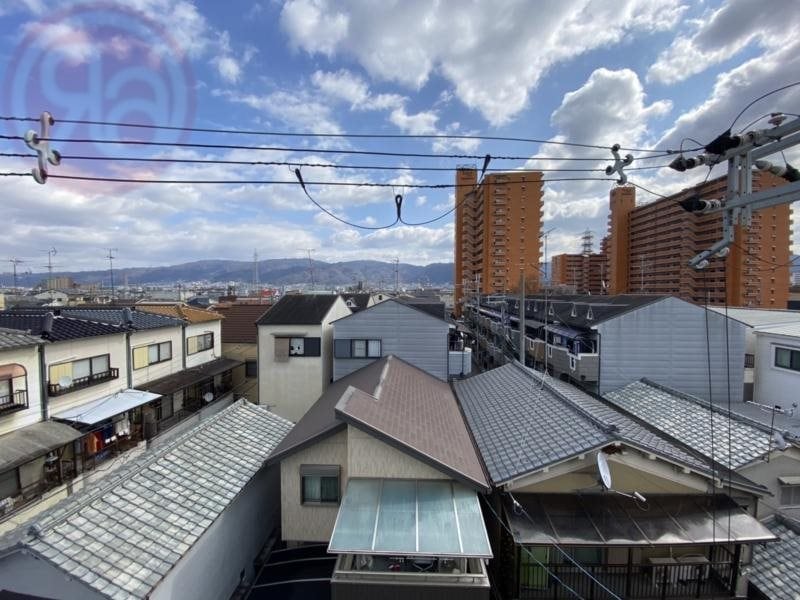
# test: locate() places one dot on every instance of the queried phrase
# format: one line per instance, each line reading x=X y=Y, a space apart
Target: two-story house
x=295 y=351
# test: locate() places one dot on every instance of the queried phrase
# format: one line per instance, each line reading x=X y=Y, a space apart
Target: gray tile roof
x=688 y=418
x=117 y=316
x=521 y=427
x=64 y=327
x=122 y=535
x=776 y=567
x=12 y=338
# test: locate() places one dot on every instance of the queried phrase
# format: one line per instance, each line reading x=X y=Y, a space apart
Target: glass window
x=100 y=364
x=359 y=348
x=341 y=348
x=320 y=489
x=140 y=357
x=191 y=345
x=790 y=495
x=81 y=368
x=251 y=368
x=296 y=347
x=787 y=358
x=152 y=354
x=165 y=351
x=374 y=348
x=5 y=388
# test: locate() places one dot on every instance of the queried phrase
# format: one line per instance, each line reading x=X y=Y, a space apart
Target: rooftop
x=784 y=329
x=139 y=319
x=12 y=338
x=756 y=317
x=299 y=309
x=774 y=568
x=64 y=327
x=239 y=326
x=179 y=310
x=121 y=535
x=689 y=419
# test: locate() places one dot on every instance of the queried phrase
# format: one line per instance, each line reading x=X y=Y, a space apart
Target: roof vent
x=127 y=317
x=47 y=324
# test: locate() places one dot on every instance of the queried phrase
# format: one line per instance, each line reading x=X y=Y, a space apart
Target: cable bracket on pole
x=619 y=165
x=39 y=143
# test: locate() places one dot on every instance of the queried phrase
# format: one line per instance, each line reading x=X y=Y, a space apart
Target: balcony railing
x=17 y=400
x=56 y=389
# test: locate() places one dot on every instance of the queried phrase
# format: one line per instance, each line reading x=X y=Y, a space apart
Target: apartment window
x=787 y=358
x=79 y=373
x=319 y=484
x=296 y=346
x=251 y=368
x=357 y=348
x=199 y=343
x=144 y=356
x=549 y=351
x=790 y=494
x=572 y=363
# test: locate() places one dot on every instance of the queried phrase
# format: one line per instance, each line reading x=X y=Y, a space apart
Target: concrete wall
x=774 y=385
x=193 y=329
x=162 y=369
x=370 y=457
x=70 y=350
x=28 y=357
x=211 y=568
x=781 y=464
x=309 y=523
x=666 y=342
x=410 y=334
x=27 y=574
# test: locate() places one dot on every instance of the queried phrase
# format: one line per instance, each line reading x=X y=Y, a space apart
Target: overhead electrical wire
x=761 y=97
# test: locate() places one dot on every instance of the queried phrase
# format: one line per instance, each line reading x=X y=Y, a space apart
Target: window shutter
x=191 y=345
x=312 y=346
x=341 y=348
x=282 y=349
x=59 y=371
x=140 y=357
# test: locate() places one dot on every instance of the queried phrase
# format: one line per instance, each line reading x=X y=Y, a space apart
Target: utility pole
x=110 y=256
x=50 y=254
x=311 y=266
x=256 y=282
x=396 y=274
x=14 y=262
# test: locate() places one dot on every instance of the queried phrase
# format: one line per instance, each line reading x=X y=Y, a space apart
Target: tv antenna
x=14 y=262
x=110 y=256
x=310 y=266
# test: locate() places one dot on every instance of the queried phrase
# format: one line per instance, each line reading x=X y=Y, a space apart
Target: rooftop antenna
x=14 y=262
x=311 y=266
x=110 y=256
x=50 y=254
x=256 y=282
x=396 y=262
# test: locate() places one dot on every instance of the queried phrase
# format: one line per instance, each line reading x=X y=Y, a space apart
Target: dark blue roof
x=64 y=327
x=117 y=316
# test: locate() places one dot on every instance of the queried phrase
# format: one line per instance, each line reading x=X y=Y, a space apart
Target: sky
x=641 y=73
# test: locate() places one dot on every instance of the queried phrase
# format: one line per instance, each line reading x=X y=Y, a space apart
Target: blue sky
x=640 y=73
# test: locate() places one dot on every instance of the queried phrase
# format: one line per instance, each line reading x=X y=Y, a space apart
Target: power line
x=316 y=150
x=314 y=134
x=279 y=163
x=761 y=97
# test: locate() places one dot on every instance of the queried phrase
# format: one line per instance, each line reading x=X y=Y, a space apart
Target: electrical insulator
x=700 y=205
x=787 y=172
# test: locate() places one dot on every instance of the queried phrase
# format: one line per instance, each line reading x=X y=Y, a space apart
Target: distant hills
x=281 y=271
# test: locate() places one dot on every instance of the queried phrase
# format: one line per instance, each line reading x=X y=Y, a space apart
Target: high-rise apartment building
x=649 y=246
x=583 y=273
x=497 y=235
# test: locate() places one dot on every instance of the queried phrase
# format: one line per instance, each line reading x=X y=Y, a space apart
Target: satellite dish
x=605 y=472
x=64 y=381
x=208 y=396
x=779 y=441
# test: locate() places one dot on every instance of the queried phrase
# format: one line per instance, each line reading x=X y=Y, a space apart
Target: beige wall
x=158 y=370
x=69 y=350
x=370 y=457
x=306 y=523
x=28 y=357
x=247 y=387
x=781 y=464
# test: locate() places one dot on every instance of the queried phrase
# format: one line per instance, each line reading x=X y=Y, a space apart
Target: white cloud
x=73 y=43
x=492 y=58
x=228 y=68
x=723 y=33
x=347 y=86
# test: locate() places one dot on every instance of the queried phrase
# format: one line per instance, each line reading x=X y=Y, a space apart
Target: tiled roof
x=688 y=419
x=64 y=327
x=239 y=326
x=775 y=569
x=417 y=412
x=180 y=311
x=299 y=309
x=121 y=535
x=521 y=426
x=359 y=301
x=11 y=338
x=117 y=316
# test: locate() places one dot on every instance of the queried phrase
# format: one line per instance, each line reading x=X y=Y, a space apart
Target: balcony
x=17 y=400
x=56 y=389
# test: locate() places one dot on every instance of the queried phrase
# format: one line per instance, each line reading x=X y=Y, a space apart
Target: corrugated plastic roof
x=123 y=534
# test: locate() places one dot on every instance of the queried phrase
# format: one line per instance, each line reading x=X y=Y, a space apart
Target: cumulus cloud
x=493 y=59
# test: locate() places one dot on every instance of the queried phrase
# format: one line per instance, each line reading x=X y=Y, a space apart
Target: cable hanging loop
x=619 y=165
x=39 y=143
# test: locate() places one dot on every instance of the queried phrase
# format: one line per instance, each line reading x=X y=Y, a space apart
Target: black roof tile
x=64 y=327
x=299 y=309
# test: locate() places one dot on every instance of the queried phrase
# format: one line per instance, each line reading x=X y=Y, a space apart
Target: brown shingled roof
x=418 y=414
x=180 y=311
x=239 y=326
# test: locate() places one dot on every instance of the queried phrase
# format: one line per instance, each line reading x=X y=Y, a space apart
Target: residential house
x=383 y=470
x=395 y=328
x=602 y=343
x=763 y=453
x=777 y=366
x=20 y=380
x=240 y=341
x=295 y=351
x=755 y=318
x=587 y=496
x=185 y=520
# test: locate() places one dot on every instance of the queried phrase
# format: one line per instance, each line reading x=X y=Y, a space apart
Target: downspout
x=183 y=345
x=43 y=396
x=128 y=359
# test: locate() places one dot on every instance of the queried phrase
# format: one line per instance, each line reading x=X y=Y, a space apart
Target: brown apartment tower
x=582 y=273
x=498 y=227
x=648 y=248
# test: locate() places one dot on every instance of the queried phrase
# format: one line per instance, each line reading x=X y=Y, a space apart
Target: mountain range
x=280 y=271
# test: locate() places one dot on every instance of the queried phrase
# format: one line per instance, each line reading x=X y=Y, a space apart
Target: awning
x=183 y=379
x=33 y=441
x=106 y=407
x=410 y=518
x=612 y=520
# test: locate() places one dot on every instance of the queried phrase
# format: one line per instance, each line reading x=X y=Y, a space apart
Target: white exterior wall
x=162 y=369
x=666 y=342
x=290 y=388
x=210 y=569
x=28 y=357
x=69 y=350
x=781 y=464
x=774 y=385
x=193 y=329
